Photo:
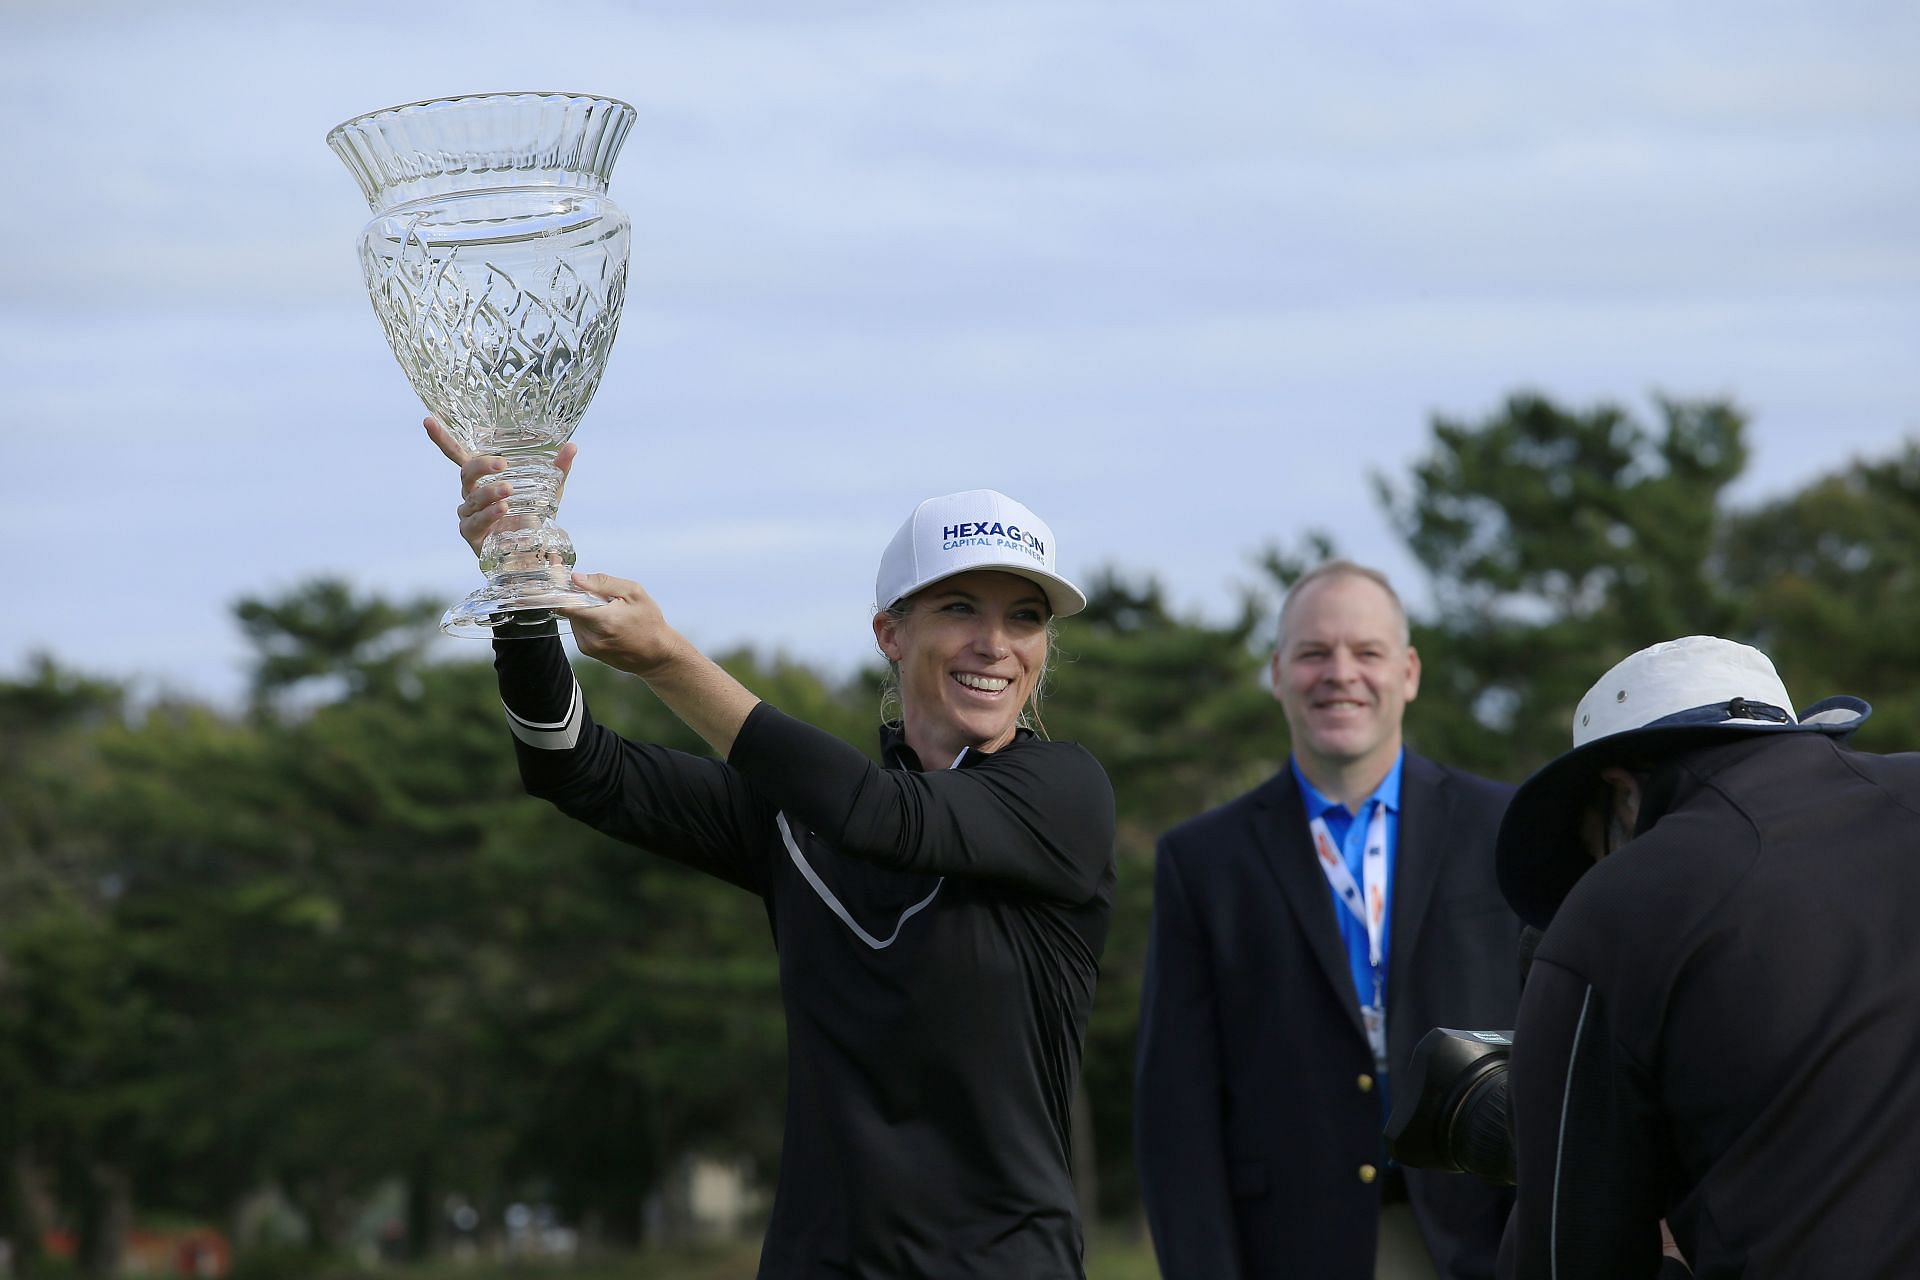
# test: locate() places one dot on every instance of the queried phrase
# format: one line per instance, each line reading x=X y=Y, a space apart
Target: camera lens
x=1450 y=1111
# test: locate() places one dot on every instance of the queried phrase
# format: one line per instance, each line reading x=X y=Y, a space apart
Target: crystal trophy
x=497 y=266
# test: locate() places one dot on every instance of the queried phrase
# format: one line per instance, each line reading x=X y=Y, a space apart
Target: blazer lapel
x=1425 y=832
x=1280 y=830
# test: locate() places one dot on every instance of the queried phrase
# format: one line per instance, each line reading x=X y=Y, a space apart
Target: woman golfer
x=939 y=920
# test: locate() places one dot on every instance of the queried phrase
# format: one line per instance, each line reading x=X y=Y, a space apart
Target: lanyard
x=1370 y=908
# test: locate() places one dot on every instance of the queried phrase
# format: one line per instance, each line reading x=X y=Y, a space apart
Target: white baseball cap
x=961 y=532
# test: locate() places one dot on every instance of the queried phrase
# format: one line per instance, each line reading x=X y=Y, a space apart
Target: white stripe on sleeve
x=554 y=735
x=1560 y=1146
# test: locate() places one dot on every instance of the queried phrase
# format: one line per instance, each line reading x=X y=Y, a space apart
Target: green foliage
x=1556 y=543
x=1829 y=584
x=323 y=631
x=329 y=942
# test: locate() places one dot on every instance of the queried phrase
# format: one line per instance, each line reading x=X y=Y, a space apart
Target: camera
x=1450 y=1105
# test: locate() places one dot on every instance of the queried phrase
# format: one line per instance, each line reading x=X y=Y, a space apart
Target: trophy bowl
x=497 y=266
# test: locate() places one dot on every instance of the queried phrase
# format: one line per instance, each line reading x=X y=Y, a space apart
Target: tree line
x=323 y=943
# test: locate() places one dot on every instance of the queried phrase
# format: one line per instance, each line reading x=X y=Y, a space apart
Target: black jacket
x=1722 y=1027
x=939 y=934
x=1254 y=1106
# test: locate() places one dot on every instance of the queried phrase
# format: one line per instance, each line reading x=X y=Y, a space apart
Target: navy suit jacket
x=1255 y=1108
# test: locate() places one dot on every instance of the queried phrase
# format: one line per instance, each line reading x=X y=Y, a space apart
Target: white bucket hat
x=1663 y=699
x=961 y=532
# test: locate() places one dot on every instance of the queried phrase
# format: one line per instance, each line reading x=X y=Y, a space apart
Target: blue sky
x=1178 y=276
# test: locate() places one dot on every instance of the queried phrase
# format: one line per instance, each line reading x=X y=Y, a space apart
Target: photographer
x=1721 y=1026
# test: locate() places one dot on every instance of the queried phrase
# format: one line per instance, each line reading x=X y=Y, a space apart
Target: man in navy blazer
x=1305 y=936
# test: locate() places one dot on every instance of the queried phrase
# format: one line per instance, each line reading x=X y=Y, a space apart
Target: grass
x=1113 y=1253
x=1120 y=1253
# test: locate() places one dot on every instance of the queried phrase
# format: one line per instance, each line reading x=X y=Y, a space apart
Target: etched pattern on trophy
x=497 y=267
x=496 y=359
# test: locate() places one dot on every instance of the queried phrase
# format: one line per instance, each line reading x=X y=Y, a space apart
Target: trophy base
x=494 y=606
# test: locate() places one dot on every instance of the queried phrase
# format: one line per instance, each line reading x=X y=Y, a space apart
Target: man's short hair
x=1340 y=569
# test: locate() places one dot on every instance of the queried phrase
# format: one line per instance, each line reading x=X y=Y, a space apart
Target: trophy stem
x=528 y=559
x=536 y=484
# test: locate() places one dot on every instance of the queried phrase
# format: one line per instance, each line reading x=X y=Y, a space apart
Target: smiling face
x=1344 y=674
x=970 y=652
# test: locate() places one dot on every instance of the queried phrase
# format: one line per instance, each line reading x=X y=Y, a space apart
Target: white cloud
x=1210 y=263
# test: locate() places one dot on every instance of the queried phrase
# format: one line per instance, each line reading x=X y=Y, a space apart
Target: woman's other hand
x=483 y=505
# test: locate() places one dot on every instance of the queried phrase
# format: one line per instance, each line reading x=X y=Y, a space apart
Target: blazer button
x=1366 y=1084
x=1368 y=1173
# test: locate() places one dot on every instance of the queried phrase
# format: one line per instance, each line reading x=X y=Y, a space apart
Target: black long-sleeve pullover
x=939 y=934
